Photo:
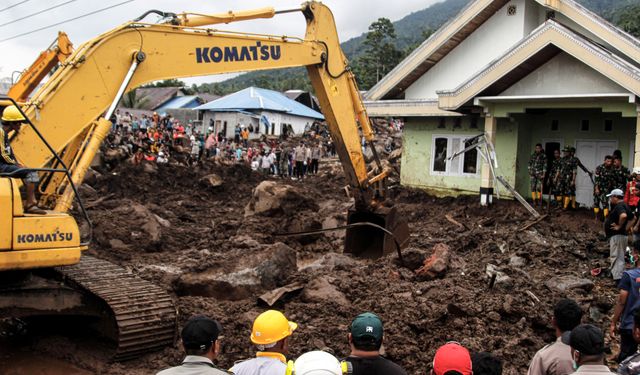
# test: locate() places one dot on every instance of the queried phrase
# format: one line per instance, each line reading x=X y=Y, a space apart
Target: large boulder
x=144 y=229
x=262 y=270
x=270 y=198
x=322 y=290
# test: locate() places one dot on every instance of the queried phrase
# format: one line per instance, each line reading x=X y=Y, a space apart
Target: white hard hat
x=636 y=170
x=316 y=363
x=193 y=138
x=160 y=153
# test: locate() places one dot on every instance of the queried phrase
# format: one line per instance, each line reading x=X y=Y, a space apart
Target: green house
x=521 y=72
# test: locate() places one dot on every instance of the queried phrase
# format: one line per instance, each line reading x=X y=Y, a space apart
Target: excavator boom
x=44 y=64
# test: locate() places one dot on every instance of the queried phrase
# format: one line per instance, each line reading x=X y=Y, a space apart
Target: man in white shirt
x=270 y=334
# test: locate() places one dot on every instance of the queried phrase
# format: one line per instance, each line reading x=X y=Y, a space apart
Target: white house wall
x=551 y=79
x=489 y=41
x=297 y=123
x=232 y=118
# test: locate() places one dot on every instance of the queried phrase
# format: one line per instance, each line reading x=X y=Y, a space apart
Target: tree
x=426 y=34
x=380 y=53
x=628 y=19
x=173 y=82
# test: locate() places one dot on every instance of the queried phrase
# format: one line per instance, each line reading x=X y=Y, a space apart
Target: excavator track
x=144 y=314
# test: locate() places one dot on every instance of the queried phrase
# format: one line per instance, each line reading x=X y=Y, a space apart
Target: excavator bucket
x=370 y=241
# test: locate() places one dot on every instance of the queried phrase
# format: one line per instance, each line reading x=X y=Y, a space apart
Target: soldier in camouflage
x=621 y=174
x=602 y=185
x=554 y=181
x=537 y=173
x=567 y=176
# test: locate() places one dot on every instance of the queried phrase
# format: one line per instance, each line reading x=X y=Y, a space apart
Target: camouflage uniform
x=554 y=183
x=604 y=182
x=620 y=177
x=537 y=170
x=568 y=168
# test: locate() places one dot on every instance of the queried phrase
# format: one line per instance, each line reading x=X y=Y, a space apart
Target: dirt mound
x=169 y=228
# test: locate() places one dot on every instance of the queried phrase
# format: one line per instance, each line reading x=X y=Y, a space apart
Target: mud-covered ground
x=168 y=225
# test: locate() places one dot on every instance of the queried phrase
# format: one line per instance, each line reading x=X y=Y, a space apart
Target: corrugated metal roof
x=254 y=98
x=187 y=101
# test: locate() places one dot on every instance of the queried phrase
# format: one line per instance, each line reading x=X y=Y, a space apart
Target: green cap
x=366 y=328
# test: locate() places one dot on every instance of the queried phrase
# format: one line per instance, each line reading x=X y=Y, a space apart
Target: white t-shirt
x=259 y=366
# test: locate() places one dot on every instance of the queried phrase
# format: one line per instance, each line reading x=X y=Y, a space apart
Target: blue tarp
x=254 y=98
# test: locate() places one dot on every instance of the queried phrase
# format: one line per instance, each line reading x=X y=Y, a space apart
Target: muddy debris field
x=209 y=236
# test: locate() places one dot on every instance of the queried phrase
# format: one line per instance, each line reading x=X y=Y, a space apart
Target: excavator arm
x=70 y=108
x=44 y=64
x=76 y=96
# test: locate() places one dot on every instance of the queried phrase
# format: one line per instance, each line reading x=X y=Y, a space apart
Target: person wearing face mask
x=627 y=305
x=555 y=358
x=587 y=350
x=631 y=365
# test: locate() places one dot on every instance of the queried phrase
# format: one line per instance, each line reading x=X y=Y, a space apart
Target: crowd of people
x=578 y=348
x=270 y=336
x=163 y=139
x=560 y=175
x=616 y=192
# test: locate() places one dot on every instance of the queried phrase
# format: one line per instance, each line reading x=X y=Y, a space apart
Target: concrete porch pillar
x=486 y=185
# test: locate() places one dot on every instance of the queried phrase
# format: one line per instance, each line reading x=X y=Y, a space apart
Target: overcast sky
x=352 y=17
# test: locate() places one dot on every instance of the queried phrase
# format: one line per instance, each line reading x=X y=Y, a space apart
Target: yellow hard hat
x=270 y=327
x=12 y=114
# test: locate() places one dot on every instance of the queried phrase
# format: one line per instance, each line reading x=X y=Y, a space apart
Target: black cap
x=199 y=332
x=587 y=339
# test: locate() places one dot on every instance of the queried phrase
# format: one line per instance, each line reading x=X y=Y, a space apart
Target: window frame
x=447 y=172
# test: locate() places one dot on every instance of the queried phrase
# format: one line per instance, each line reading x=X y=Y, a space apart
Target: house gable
x=430 y=65
x=584 y=21
x=490 y=40
x=554 y=78
x=434 y=49
x=530 y=54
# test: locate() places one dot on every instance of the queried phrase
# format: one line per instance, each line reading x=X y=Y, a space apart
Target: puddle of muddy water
x=21 y=362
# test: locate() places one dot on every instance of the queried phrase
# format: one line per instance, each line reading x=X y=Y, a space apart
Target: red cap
x=452 y=356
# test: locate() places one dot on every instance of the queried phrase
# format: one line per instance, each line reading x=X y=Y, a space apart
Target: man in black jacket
x=365 y=338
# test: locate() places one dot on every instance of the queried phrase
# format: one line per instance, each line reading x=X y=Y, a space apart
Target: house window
x=457 y=124
x=440 y=154
x=608 y=125
x=444 y=146
x=273 y=128
x=555 y=125
x=584 y=125
x=443 y=123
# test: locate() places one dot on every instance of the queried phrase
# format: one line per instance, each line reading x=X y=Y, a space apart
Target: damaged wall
x=420 y=136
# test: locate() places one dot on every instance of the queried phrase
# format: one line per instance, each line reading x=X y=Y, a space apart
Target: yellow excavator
x=57 y=53
x=42 y=268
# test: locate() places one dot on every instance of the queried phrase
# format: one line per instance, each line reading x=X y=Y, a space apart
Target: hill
x=409 y=31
